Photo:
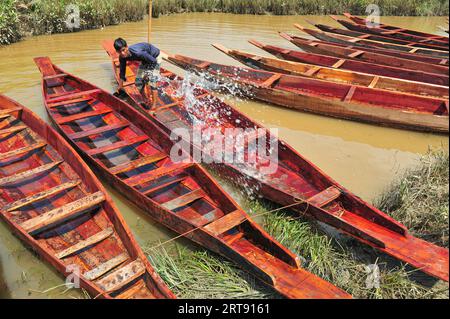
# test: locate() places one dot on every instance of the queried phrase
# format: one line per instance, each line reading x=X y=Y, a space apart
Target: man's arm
x=122 y=74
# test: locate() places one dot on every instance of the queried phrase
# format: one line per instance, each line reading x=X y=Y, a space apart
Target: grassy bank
x=19 y=18
x=26 y=17
x=420 y=203
x=292 y=7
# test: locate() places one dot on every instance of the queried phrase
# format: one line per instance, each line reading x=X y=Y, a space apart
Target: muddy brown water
x=364 y=158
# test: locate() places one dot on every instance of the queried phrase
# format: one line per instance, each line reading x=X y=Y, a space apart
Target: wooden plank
x=4 y=116
x=105 y=267
x=72 y=96
x=193 y=217
x=313 y=70
x=338 y=64
x=374 y=82
x=325 y=197
x=137 y=163
x=40 y=196
x=349 y=94
x=184 y=199
x=213 y=215
x=355 y=54
x=60 y=214
x=65 y=103
x=56 y=76
x=118 y=145
x=82 y=115
x=10 y=110
x=95 y=239
x=13 y=129
x=22 y=150
x=122 y=276
x=233 y=238
x=271 y=80
x=99 y=130
x=130 y=292
x=170 y=182
x=227 y=222
x=28 y=173
x=154 y=174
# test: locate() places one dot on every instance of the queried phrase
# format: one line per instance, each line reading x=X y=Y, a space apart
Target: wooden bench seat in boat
x=60 y=214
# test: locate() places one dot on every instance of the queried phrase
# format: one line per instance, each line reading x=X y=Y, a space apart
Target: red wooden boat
x=395 y=35
x=295 y=182
x=346 y=42
x=380 y=41
x=136 y=158
x=392 y=28
x=331 y=49
x=337 y=75
x=326 y=98
x=352 y=65
x=53 y=202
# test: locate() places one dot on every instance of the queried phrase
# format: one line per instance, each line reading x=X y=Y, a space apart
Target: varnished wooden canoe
x=383 y=42
x=396 y=36
x=359 y=54
x=352 y=65
x=391 y=28
x=336 y=75
x=53 y=202
x=295 y=182
x=330 y=99
x=354 y=43
x=135 y=157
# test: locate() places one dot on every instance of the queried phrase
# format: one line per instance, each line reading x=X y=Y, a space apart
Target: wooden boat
x=336 y=75
x=330 y=99
x=134 y=156
x=395 y=35
x=346 y=42
x=53 y=202
x=380 y=41
x=295 y=182
x=359 y=54
x=352 y=65
x=395 y=29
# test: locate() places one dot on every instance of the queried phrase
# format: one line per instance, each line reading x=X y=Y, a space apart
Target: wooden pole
x=150 y=8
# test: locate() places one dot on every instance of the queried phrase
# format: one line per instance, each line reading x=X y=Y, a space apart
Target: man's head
x=121 y=47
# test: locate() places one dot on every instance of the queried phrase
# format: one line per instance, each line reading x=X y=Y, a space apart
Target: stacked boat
x=382 y=77
x=50 y=198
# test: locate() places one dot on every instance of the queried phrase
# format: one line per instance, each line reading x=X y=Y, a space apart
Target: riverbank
x=419 y=199
x=21 y=18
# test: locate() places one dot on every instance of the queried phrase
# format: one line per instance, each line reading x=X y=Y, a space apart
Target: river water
x=363 y=158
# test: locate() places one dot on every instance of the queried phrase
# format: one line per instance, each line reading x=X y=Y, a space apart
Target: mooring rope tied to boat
x=301 y=201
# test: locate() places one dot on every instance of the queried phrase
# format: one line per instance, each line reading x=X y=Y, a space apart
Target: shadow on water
x=4 y=290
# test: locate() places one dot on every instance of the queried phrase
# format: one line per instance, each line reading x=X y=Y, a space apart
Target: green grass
x=291 y=7
x=420 y=198
x=337 y=259
x=24 y=17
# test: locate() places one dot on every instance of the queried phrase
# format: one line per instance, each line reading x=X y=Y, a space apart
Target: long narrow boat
x=143 y=163
x=388 y=27
x=359 y=54
x=336 y=75
x=395 y=36
x=380 y=41
x=352 y=65
x=373 y=46
x=53 y=202
x=295 y=181
x=330 y=99
x=346 y=43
